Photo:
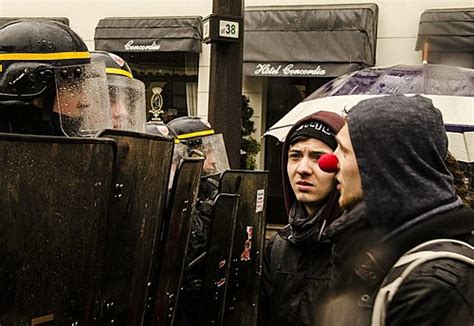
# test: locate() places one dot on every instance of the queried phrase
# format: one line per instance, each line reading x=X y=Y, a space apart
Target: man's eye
x=316 y=156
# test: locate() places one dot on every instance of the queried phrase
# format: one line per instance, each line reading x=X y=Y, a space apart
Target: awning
x=449 y=30
x=63 y=20
x=309 y=41
x=149 y=34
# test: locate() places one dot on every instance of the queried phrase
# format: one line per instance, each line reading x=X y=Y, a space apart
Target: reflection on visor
x=81 y=99
x=120 y=115
x=213 y=149
x=179 y=153
x=127 y=103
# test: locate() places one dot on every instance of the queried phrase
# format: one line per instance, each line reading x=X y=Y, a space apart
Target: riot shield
x=215 y=282
x=54 y=197
x=169 y=273
x=136 y=211
x=247 y=252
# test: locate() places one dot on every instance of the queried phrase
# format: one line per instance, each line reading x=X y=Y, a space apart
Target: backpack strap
x=276 y=255
x=425 y=252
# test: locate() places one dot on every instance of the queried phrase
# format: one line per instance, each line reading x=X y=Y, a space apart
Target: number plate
x=228 y=29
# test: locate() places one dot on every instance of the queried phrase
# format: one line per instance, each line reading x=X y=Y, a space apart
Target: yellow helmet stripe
x=44 y=56
x=118 y=71
x=196 y=134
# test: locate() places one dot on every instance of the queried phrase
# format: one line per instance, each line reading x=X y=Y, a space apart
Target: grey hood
x=401 y=146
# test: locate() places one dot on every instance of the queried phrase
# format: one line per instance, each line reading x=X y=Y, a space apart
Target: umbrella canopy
x=450 y=88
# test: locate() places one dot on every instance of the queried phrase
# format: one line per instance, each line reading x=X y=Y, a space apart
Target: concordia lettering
x=288 y=70
x=129 y=46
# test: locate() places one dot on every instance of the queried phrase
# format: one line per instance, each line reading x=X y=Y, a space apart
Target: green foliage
x=248 y=145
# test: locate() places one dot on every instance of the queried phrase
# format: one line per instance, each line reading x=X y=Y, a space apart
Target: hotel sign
x=267 y=69
x=299 y=69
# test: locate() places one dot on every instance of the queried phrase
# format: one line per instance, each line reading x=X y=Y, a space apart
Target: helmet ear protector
x=29 y=80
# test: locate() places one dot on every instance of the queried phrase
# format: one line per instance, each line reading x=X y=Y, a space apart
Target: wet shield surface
x=247 y=251
x=215 y=282
x=54 y=197
x=136 y=216
x=171 y=263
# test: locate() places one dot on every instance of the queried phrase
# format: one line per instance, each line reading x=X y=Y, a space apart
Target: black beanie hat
x=314 y=129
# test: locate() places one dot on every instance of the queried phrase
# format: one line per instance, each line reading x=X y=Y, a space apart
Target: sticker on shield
x=260 y=200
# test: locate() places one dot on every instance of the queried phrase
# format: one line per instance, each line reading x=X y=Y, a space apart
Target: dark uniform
x=200 y=140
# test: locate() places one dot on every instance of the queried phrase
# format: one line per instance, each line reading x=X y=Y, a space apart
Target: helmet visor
x=82 y=99
x=179 y=153
x=213 y=149
x=127 y=102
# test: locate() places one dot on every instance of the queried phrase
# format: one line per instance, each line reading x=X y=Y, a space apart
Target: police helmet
x=114 y=64
x=126 y=94
x=158 y=127
x=201 y=140
x=41 y=58
x=189 y=127
x=29 y=49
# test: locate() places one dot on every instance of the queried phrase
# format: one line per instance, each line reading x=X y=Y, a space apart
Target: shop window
x=170 y=79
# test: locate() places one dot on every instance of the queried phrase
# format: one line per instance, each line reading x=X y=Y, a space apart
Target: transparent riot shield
x=247 y=252
x=170 y=265
x=136 y=216
x=54 y=198
x=216 y=276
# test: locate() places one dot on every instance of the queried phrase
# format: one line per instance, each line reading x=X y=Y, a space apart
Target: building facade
x=162 y=42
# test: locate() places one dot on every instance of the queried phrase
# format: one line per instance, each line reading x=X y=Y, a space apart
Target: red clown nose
x=328 y=163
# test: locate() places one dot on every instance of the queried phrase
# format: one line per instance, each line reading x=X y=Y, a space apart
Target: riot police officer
x=197 y=138
x=49 y=87
x=126 y=94
x=47 y=84
x=201 y=140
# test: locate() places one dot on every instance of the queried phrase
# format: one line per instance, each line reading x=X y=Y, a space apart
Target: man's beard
x=350 y=202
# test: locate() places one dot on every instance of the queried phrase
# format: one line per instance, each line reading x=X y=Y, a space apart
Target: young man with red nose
x=291 y=280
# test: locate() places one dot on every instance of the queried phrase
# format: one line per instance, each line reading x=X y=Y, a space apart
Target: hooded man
x=290 y=279
x=397 y=193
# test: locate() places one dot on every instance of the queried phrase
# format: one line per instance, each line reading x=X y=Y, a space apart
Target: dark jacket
x=336 y=283
x=410 y=198
x=291 y=282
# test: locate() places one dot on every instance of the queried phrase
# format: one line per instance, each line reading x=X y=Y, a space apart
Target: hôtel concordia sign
x=299 y=69
x=266 y=69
